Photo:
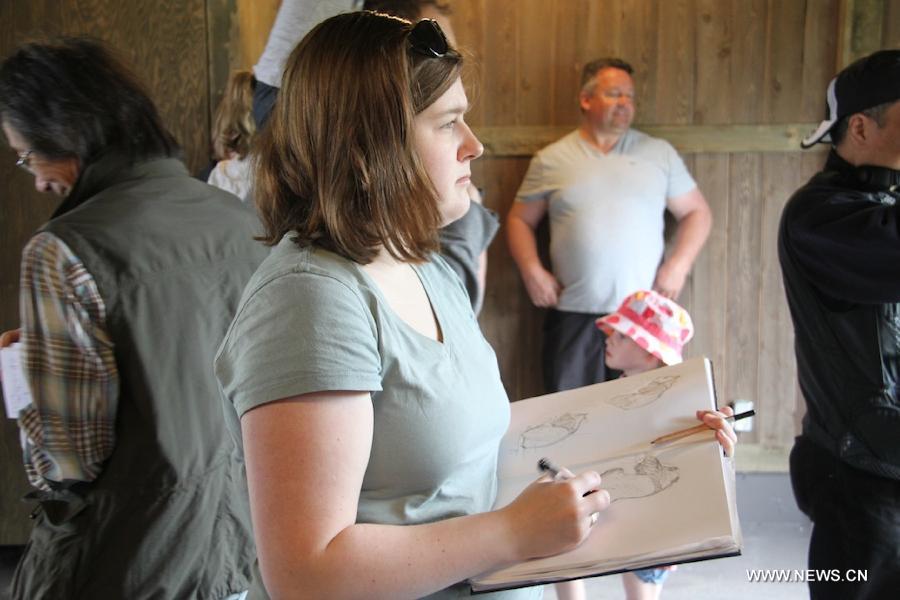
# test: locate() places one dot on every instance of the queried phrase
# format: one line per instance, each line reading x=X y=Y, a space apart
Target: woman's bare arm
x=306 y=457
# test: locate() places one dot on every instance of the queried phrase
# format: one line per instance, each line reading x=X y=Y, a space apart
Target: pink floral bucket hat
x=658 y=325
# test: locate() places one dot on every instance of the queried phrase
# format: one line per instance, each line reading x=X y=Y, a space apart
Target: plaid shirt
x=68 y=430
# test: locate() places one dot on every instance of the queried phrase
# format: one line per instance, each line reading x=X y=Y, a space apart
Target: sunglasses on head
x=427 y=39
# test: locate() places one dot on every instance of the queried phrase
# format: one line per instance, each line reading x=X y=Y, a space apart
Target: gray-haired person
x=125 y=294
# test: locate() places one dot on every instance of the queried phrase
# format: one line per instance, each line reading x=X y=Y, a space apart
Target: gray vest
x=168 y=517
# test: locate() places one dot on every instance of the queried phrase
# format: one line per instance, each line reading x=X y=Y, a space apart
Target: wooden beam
x=688 y=139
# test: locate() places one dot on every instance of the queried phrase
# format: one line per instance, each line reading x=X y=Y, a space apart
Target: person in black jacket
x=839 y=248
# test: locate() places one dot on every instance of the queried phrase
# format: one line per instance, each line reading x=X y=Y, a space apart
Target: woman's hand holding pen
x=553 y=515
x=715 y=419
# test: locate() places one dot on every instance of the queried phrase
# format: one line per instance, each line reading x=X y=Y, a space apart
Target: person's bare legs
x=571 y=590
x=635 y=589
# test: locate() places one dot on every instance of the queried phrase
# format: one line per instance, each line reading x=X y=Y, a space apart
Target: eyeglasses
x=616 y=95
x=427 y=39
x=24 y=161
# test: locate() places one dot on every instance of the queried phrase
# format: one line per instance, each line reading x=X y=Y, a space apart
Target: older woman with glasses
x=126 y=292
x=369 y=404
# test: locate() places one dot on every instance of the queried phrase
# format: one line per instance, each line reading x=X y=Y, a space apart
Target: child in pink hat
x=646 y=332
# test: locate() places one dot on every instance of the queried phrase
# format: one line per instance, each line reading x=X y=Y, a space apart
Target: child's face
x=623 y=354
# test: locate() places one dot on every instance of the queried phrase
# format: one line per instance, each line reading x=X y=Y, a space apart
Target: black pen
x=545 y=465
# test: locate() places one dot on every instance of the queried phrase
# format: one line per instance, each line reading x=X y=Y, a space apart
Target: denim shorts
x=656 y=576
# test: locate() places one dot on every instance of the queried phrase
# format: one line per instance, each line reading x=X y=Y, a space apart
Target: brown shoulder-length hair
x=233 y=127
x=336 y=163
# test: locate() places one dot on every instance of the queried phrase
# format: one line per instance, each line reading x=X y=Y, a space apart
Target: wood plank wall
x=701 y=63
x=707 y=65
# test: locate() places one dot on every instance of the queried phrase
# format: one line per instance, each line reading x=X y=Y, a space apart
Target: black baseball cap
x=868 y=82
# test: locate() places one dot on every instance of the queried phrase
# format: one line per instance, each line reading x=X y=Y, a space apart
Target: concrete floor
x=776 y=535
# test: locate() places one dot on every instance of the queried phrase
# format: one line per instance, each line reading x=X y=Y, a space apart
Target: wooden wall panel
x=568 y=63
x=784 y=62
x=748 y=46
x=499 y=75
x=639 y=44
x=470 y=29
x=508 y=319
x=536 y=71
x=670 y=231
x=165 y=43
x=742 y=288
x=891 y=34
x=605 y=32
x=709 y=278
x=713 y=55
x=776 y=371
x=819 y=51
x=675 y=62
x=865 y=26
x=749 y=73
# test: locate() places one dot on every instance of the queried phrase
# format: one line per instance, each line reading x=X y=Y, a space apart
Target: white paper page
x=693 y=507
x=16 y=394
x=577 y=426
x=664 y=497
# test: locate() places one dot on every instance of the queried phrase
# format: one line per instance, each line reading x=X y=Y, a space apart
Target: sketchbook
x=671 y=503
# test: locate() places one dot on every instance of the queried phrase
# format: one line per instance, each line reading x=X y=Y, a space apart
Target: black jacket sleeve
x=848 y=242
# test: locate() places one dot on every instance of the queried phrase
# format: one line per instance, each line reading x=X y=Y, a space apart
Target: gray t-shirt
x=606 y=214
x=313 y=321
x=462 y=243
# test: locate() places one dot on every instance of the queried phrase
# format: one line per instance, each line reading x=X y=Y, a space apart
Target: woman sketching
x=370 y=404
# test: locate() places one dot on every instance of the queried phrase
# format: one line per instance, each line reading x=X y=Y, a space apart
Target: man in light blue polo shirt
x=606 y=187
